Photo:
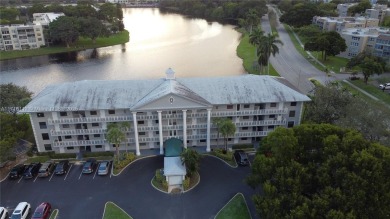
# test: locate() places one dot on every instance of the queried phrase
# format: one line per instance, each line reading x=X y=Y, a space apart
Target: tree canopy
x=64 y=29
x=335 y=104
x=191 y=159
x=116 y=135
x=13 y=97
x=321 y=171
x=226 y=128
x=368 y=64
x=328 y=43
x=301 y=14
x=359 y=8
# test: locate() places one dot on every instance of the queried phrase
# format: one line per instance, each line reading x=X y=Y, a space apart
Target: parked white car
x=3 y=213
x=385 y=86
x=21 y=211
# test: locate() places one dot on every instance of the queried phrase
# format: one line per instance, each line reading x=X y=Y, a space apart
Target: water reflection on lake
x=192 y=47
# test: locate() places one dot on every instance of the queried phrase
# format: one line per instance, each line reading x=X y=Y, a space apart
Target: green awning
x=173 y=147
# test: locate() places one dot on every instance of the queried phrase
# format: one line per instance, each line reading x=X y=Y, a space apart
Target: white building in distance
x=21 y=37
x=338 y=24
x=73 y=117
x=45 y=19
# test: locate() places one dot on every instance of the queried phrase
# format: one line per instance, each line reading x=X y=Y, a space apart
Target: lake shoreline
x=82 y=44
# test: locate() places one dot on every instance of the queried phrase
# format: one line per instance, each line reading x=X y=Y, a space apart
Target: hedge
x=99 y=154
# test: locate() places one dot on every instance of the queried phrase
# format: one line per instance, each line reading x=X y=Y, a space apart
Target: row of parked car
x=62 y=167
x=23 y=209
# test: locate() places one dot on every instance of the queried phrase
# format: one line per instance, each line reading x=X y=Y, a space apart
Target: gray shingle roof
x=92 y=95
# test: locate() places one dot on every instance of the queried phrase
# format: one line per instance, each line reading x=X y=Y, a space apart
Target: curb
x=223 y=160
x=130 y=164
x=105 y=206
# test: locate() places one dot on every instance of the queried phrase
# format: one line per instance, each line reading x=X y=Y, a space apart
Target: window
x=40 y=114
x=245 y=117
x=292 y=113
x=42 y=125
x=271 y=116
x=78 y=126
x=98 y=146
x=273 y=104
x=141 y=122
x=63 y=113
x=68 y=137
x=95 y=124
x=229 y=107
x=93 y=113
x=141 y=133
x=65 y=126
x=111 y=111
x=203 y=140
x=244 y=139
x=45 y=136
x=293 y=103
x=244 y=128
x=96 y=135
x=157 y=132
x=271 y=127
x=156 y=121
x=47 y=147
x=70 y=148
x=246 y=106
x=290 y=124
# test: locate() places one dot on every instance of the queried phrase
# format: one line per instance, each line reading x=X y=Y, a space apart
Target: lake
x=158 y=41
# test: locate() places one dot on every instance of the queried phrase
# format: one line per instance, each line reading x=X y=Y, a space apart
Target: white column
x=185 y=128
x=208 y=129
x=136 y=134
x=160 y=131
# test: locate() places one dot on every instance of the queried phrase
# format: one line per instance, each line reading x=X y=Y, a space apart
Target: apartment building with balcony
x=378 y=12
x=45 y=19
x=342 y=9
x=338 y=24
x=366 y=39
x=20 y=37
x=73 y=117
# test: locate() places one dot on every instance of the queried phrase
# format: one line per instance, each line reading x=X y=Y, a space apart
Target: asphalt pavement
x=78 y=195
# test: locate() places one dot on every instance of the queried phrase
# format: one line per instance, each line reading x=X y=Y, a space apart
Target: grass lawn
x=81 y=44
x=373 y=90
x=112 y=211
x=235 y=209
x=246 y=52
x=54 y=214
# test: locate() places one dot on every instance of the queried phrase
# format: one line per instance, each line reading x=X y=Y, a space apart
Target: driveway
x=84 y=196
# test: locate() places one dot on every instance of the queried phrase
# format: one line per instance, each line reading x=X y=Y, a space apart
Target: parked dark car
x=89 y=166
x=241 y=157
x=42 y=211
x=62 y=167
x=31 y=170
x=46 y=169
x=17 y=171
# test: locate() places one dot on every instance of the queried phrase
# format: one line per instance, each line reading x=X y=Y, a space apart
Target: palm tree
x=227 y=128
x=255 y=38
x=267 y=47
x=116 y=135
x=217 y=122
x=252 y=19
x=191 y=160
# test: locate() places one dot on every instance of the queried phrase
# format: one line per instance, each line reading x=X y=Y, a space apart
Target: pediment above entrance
x=170 y=95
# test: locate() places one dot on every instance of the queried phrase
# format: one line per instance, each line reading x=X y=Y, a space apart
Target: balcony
x=89 y=120
x=261 y=123
x=77 y=132
x=78 y=143
x=248 y=112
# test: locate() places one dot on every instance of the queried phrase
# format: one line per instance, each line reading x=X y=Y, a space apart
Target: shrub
x=164 y=184
x=242 y=146
x=99 y=154
x=227 y=156
x=186 y=183
x=124 y=160
x=62 y=156
x=159 y=176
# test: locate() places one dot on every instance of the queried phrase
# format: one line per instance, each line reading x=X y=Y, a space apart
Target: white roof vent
x=170 y=74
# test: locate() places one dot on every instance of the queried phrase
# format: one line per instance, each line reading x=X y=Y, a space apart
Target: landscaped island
x=82 y=44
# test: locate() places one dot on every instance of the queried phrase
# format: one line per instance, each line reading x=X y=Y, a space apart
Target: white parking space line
x=81 y=174
x=68 y=171
x=36 y=178
x=20 y=179
x=95 y=174
x=51 y=176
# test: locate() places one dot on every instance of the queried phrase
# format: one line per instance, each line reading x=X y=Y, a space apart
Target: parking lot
x=79 y=195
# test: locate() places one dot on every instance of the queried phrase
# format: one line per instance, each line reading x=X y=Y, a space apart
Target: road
x=290 y=64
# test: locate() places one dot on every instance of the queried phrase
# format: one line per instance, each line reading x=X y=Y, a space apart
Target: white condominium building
x=20 y=37
x=44 y=19
x=342 y=9
x=366 y=39
x=73 y=117
x=338 y=24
